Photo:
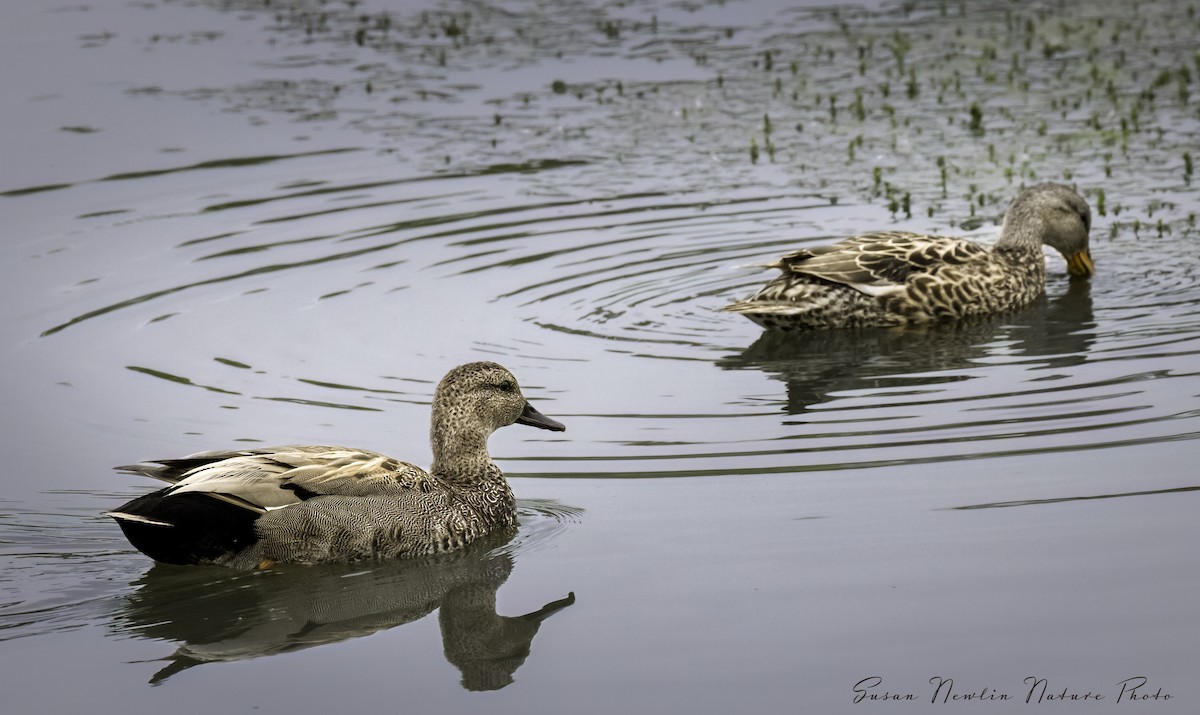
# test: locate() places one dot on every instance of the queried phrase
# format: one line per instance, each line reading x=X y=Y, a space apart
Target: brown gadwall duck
x=254 y=507
x=893 y=278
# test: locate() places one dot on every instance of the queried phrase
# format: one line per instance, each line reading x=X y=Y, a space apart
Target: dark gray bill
x=533 y=418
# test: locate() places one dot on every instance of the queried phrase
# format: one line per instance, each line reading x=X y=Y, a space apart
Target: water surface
x=247 y=223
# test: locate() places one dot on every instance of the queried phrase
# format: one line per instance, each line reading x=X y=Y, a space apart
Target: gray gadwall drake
x=892 y=278
x=254 y=507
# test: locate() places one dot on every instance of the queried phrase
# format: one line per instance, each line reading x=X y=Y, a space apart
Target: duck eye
x=506 y=387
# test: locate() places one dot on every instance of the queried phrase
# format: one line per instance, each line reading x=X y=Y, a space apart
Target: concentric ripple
x=608 y=309
x=576 y=196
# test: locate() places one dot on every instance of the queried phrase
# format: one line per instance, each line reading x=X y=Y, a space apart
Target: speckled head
x=486 y=394
x=1055 y=215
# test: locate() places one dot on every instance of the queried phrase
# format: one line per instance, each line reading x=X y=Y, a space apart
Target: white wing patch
x=878 y=291
x=122 y=516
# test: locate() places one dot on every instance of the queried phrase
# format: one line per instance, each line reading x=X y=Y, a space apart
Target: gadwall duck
x=892 y=278
x=251 y=508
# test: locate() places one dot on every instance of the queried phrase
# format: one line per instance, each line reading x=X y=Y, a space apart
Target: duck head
x=1060 y=218
x=487 y=395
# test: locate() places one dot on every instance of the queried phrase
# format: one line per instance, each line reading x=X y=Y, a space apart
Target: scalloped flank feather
x=895 y=278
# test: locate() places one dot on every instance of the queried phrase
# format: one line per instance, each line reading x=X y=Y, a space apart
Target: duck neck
x=1023 y=228
x=460 y=453
x=1021 y=242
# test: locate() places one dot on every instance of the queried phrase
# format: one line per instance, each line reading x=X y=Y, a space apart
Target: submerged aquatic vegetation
x=1097 y=92
x=976 y=123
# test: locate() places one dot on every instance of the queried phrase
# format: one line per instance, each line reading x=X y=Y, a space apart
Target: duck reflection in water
x=219 y=616
x=1054 y=333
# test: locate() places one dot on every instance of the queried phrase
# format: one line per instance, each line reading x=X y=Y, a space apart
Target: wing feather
x=874 y=262
x=275 y=477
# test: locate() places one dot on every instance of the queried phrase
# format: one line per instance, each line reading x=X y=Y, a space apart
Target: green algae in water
x=976 y=123
x=1109 y=77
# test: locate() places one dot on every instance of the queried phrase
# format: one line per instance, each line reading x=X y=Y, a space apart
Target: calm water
x=241 y=222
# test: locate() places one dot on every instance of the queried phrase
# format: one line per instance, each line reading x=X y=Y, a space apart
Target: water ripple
x=586 y=230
